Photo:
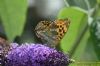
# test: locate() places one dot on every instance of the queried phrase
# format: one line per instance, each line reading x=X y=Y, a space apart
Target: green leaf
x=79 y=3
x=95 y=34
x=85 y=53
x=84 y=4
x=85 y=50
x=81 y=47
x=98 y=1
x=78 y=19
x=13 y=14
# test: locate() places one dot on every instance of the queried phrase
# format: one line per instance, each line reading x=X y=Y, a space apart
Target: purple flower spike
x=36 y=55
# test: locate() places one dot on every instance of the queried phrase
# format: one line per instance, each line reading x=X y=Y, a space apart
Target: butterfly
x=4 y=48
x=51 y=32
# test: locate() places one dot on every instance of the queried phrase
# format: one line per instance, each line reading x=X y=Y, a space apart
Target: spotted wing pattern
x=51 y=32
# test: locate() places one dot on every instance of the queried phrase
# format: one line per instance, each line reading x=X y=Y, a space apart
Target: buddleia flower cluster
x=30 y=54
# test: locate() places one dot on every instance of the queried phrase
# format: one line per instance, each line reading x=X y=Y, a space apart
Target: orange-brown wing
x=62 y=27
x=52 y=32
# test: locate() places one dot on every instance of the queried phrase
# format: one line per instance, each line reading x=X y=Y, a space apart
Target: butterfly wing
x=41 y=28
x=43 y=31
x=52 y=32
x=62 y=27
x=58 y=29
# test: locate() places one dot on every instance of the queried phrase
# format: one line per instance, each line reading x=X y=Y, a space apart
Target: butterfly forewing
x=62 y=27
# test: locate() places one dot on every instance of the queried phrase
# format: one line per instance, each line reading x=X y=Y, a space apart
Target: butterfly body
x=51 y=32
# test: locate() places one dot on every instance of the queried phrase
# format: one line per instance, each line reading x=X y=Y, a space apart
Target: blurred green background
x=18 y=19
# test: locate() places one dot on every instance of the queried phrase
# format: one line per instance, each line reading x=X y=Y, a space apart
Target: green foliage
x=98 y=1
x=81 y=40
x=95 y=36
x=77 y=17
x=13 y=14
